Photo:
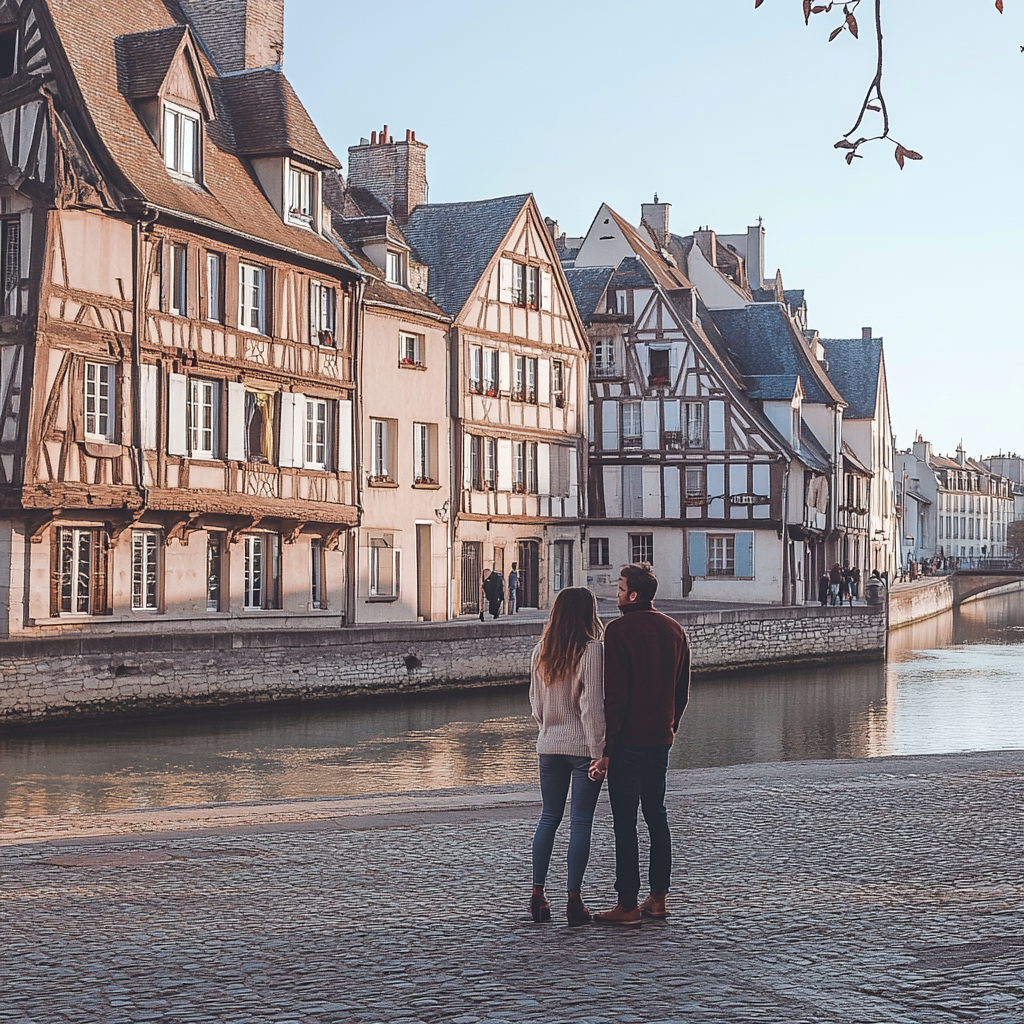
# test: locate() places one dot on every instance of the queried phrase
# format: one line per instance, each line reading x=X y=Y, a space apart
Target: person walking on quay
x=567 y=700
x=647 y=685
x=848 y=584
x=513 y=590
x=483 y=594
x=494 y=591
x=823 y=589
x=835 y=582
x=855 y=572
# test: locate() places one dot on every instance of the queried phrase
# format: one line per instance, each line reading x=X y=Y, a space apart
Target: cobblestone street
x=841 y=892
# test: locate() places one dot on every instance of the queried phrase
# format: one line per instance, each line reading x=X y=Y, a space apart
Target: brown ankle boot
x=654 y=906
x=540 y=909
x=575 y=912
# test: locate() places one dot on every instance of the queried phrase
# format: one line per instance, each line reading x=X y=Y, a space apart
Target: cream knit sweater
x=571 y=716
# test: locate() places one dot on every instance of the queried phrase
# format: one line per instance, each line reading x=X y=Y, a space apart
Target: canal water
x=952 y=683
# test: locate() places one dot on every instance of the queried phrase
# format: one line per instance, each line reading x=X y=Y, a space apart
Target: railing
x=985 y=563
x=604 y=370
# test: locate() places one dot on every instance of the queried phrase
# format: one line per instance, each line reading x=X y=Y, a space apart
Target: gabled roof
x=810 y=451
x=669 y=277
x=850 y=458
x=779 y=387
x=854 y=366
x=763 y=340
x=587 y=285
x=457 y=241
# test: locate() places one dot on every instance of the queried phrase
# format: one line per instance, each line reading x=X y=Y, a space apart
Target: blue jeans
x=556 y=772
x=636 y=779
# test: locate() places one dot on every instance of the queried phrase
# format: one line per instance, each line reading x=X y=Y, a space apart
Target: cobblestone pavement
x=847 y=892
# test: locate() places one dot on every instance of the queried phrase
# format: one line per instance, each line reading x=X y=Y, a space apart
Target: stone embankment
x=80 y=677
x=933 y=595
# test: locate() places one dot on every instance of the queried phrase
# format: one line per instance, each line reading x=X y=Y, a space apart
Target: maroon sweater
x=646 y=678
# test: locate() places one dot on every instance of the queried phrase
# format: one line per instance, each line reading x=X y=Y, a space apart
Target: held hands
x=598 y=769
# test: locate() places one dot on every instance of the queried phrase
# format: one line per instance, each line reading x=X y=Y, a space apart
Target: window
x=214 y=571
x=519 y=467
x=476 y=477
x=410 y=350
x=80 y=584
x=693 y=423
x=490 y=464
x=9 y=51
x=99 y=401
x=518 y=284
x=659 y=374
x=251 y=298
x=604 y=357
x=384 y=566
x=620 y=303
x=10 y=253
x=423 y=453
x=381 y=467
x=796 y=427
x=558 y=382
x=531 y=380
x=531 y=466
x=215 y=287
x=181 y=142
x=178 y=297
x=641 y=547
x=721 y=555
x=301 y=195
x=695 y=488
x=560 y=476
x=145 y=549
x=599 y=554
x=262 y=571
x=259 y=426
x=394 y=271
x=632 y=429
x=475 y=370
x=202 y=418
x=524 y=388
x=316 y=434
x=532 y=287
x=322 y=305
x=561 y=576
x=317 y=594
x=490 y=372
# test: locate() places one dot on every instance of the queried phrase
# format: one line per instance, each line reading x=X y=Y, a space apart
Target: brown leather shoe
x=540 y=909
x=654 y=906
x=575 y=911
x=619 y=915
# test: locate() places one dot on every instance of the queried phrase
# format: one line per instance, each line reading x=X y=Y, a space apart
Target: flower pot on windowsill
x=382 y=481
x=491 y=393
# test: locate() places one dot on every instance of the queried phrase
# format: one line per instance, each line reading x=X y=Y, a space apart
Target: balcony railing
x=604 y=370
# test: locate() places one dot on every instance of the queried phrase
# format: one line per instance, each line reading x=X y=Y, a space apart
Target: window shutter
x=544 y=469
x=672 y=415
x=467 y=462
x=698 y=554
x=613 y=492
x=744 y=555
x=177 y=401
x=671 y=492
x=147 y=400
x=545 y=290
x=504 y=464
x=652 y=492
x=505 y=280
x=299 y=430
x=314 y=313
x=574 y=471
x=286 y=436
x=417 y=451
x=651 y=439
x=716 y=426
x=543 y=381
x=236 y=422
x=610 y=426
x=673 y=366
x=504 y=372
x=632 y=492
x=345 y=436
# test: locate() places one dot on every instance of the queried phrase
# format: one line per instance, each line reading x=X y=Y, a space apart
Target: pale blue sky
x=730 y=114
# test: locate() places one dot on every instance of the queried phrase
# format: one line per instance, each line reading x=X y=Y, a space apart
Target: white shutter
x=671 y=492
x=716 y=426
x=574 y=478
x=652 y=440
x=148 y=373
x=613 y=492
x=610 y=426
x=299 y=433
x=672 y=414
x=504 y=280
x=762 y=485
x=504 y=372
x=177 y=415
x=545 y=290
x=651 y=483
x=236 y=421
x=467 y=462
x=504 y=464
x=673 y=365
x=543 y=381
x=543 y=469
x=286 y=436
x=345 y=436
x=417 y=450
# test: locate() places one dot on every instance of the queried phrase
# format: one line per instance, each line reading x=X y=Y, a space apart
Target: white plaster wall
x=764 y=588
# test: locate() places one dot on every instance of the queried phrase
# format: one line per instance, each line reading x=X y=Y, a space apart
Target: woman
x=567 y=699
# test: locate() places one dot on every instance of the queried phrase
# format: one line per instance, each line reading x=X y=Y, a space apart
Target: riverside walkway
x=841 y=892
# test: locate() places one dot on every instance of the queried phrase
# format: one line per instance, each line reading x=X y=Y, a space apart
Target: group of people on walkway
x=607 y=706
x=493 y=592
x=840 y=584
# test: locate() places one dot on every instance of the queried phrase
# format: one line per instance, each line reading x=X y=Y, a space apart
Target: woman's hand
x=598 y=769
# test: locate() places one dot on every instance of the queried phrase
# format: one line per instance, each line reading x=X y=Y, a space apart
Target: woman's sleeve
x=592 y=698
x=536 y=702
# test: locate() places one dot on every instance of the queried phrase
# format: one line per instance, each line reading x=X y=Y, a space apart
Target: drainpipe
x=357 y=449
x=787 y=581
x=144 y=219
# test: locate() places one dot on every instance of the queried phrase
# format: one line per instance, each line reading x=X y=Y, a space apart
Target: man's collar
x=639 y=606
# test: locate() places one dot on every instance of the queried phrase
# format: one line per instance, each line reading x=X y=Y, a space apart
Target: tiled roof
x=854 y=366
x=588 y=284
x=457 y=241
x=762 y=340
x=144 y=59
x=632 y=272
x=229 y=195
x=669 y=277
x=767 y=387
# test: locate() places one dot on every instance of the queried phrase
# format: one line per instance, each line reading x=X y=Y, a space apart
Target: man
x=646 y=687
x=494 y=591
x=513 y=590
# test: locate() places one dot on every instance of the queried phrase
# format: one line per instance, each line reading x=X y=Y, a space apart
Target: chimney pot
x=394 y=172
x=384 y=137
x=865 y=333
x=373 y=138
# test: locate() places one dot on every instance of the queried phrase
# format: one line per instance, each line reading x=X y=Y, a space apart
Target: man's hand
x=598 y=769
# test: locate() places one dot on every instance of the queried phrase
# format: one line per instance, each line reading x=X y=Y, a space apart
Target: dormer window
x=181 y=141
x=301 y=195
x=395 y=268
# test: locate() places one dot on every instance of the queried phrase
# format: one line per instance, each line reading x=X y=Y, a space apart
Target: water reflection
x=952 y=683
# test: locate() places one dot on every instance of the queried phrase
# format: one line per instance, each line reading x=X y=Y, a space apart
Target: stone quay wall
x=78 y=678
x=912 y=602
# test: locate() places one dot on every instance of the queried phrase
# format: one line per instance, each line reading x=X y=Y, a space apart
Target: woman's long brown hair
x=573 y=623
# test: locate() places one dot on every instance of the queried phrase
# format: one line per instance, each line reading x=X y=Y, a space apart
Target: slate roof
x=850 y=456
x=144 y=59
x=810 y=450
x=669 y=277
x=762 y=340
x=587 y=285
x=457 y=241
x=778 y=387
x=120 y=144
x=854 y=366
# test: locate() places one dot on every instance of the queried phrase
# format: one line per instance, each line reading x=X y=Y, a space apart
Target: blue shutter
x=744 y=554
x=698 y=554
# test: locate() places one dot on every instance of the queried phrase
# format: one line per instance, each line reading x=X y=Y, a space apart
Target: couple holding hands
x=610 y=708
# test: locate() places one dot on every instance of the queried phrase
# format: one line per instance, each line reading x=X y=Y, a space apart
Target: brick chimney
x=239 y=35
x=865 y=334
x=395 y=172
x=708 y=244
x=654 y=216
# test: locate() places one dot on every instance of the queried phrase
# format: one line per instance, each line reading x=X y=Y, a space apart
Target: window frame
x=215 y=552
x=317 y=575
x=374 y=582
x=10 y=265
x=394 y=267
x=301 y=175
x=316 y=447
x=721 y=549
x=199 y=430
x=146 y=575
x=68 y=574
x=641 y=548
x=476 y=369
x=603 y=549
x=380 y=450
x=177 y=279
x=264 y=548
x=214 y=287
x=635 y=436
x=323 y=312
x=98 y=413
x=174 y=156
x=257 y=286
x=558 y=382
x=424 y=458
x=411 y=350
x=491 y=373
x=562 y=559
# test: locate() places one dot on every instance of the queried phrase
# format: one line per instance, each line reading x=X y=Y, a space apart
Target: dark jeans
x=556 y=772
x=636 y=778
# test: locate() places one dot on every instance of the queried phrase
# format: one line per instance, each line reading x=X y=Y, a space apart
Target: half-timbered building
x=177 y=334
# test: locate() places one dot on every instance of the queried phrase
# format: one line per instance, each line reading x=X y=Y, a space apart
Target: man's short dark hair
x=640 y=580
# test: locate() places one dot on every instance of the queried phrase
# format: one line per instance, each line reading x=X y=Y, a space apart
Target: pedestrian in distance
x=823 y=589
x=567 y=700
x=647 y=685
x=513 y=590
x=835 y=582
x=856 y=581
x=483 y=594
x=494 y=591
x=847 y=588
